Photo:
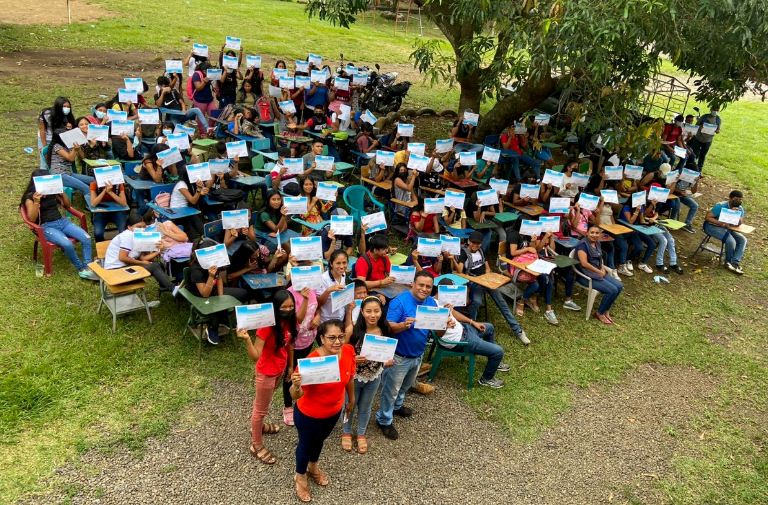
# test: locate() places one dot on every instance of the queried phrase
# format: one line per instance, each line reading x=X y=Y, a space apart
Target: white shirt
x=452 y=334
x=325 y=310
x=177 y=199
x=123 y=241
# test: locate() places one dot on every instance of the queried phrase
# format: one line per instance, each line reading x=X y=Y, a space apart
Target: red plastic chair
x=48 y=247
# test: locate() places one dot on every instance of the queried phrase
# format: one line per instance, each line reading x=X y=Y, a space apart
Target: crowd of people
x=615 y=219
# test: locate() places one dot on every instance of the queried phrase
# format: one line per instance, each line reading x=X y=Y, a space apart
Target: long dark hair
x=242 y=256
x=55 y=139
x=181 y=169
x=200 y=243
x=272 y=212
x=277 y=300
x=58 y=118
x=31 y=185
x=358 y=331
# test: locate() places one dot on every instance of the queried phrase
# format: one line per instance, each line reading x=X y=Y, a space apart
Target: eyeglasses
x=335 y=338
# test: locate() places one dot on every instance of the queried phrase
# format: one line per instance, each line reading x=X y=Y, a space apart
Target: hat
x=476 y=236
x=665 y=168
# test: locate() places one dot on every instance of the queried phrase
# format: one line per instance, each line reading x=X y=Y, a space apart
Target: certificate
x=416 y=148
x=280 y=72
x=214 y=256
x=589 y=202
x=180 y=140
x=633 y=172
x=658 y=194
x=378 y=348
x=417 y=162
x=638 y=199
x=315 y=59
x=443 y=146
x=530 y=191
x=134 y=83
x=345 y=112
x=405 y=130
x=434 y=205
x=581 y=180
x=342 y=225
x=200 y=50
x=174 y=66
x=690 y=129
x=286 y=83
x=340 y=299
x=681 y=152
x=73 y=137
x=531 y=228
x=455 y=296
x=127 y=95
x=319 y=370
x=541 y=267
x=120 y=127
x=360 y=79
x=149 y=116
x=500 y=185
x=317 y=76
x=199 y=172
x=487 y=197
x=294 y=166
x=146 y=241
x=559 y=205
x=213 y=74
x=302 y=81
x=49 y=184
x=233 y=43
x=520 y=129
x=375 y=222
x=368 y=117
x=614 y=173
x=230 y=62
x=385 y=157
x=403 y=274
x=180 y=128
x=491 y=155
x=235 y=219
x=296 y=205
x=671 y=177
x=553 y=178
x=327 y=191
x=431 y=247
x=218 y=166
x=730 y=216
x=708 y=128
x=470 y=118
x=550 y=223
x=541 y=119
x=431 y=318
x=451 y=245
x=111 y=174
x=310 y=276
x=98 y=132
x=468 y=159
x=115 y=114
x=341 y=83
x=169 y=157
x=252 y=61
x=689 y=175
x=324 y=163
x=610 y=195
x=455 y=199
x=301 y=66
x=237 y=149
x=254 y=317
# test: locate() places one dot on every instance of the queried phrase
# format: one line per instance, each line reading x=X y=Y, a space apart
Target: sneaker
x=623 y=270
x=662 y=268
x=491 y=383
x=645 y=268
x=630 y=267
x=153 y=304
x=677 y=269
x=87 y=274
x=738 y=269
x=403 y=412
x=523 y=338
x=288 y=416
x=551 y=318
x=503 y=368
x=730 y=267
x=388 y=430
x=613 y=273
x=175 y=290
x=423 y=388
x=211 y=335
x=689 y=228
x=571 y=305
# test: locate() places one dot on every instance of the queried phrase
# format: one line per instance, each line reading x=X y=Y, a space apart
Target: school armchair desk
x=201 y=309
x=48 y=247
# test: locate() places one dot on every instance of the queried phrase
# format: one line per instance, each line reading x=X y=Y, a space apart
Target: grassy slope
x=67 y=383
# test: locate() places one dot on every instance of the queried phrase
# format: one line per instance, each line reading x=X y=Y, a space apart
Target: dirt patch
x=49 y=13
x=615 y=442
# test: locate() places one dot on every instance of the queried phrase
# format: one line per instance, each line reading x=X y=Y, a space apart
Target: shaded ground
x=612 y=446
x=49 y=13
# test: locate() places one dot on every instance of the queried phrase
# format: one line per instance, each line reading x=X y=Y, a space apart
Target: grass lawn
x=68 y=384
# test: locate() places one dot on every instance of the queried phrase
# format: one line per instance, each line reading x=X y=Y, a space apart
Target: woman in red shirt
x=318 y=406
x=271 y=352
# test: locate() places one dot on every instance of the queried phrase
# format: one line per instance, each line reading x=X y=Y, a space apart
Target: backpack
x=191 y=86
x=468 y=261
x=265 y=110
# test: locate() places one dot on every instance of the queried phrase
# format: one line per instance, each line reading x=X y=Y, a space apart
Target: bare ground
x=50 y=13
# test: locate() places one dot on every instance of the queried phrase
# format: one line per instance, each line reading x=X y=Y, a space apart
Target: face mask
x=167 y=132
x=286 y=314
x=713 y=113
x=678 y=123
x=100 y=115
x=66 y=110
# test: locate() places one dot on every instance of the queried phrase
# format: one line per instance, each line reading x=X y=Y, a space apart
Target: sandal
x=263 y=455
x=362 y=444
x=602 y=318
x=346 y=442
x=533 y=306
x=270 y=428
x=520 y=309
x=302 y=488
x=319 y=477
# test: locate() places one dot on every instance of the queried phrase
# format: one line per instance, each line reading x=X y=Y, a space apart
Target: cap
x=476 y=236
x=665 y=168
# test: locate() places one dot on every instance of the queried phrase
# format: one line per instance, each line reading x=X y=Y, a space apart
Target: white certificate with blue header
x=588 y=202
x=293 y=166
x=633 y=172
x=431 y=318
x=418 y=162
x=235 y=219
x=403 y=274
x=49 y=184
x=378 y=348
x=230 y=62
x=327 y=191
x=658 y=194
x=296 y=205
x=340 y=299
x=430 y=247
x=254 y=317
x=199 y=172
x=237 y=149
x=213 y=74
x=491 y=155
x=324 y=163
x=252 y=61
x=500 y=185
x=342 y=225
x=134 y=83
x=451 y=245
x=180 y=140
x=730 y=216
x=455 y=296
x=486 y=198
x=416 y=148
x=530 y=191
x=638 y=199
x=146 y=241
x=614 y=173
x=110 y=174
x=169 y=157
x=550 y=223
x=309 y=276
x=468 y=159
x=116 y=114
x=233 y=43
x=385 y=157
x=405 y=130
x=443 y=145
x=218 y=166
x=174 y=66
x=307 y=248
x=319 y=370
x=214 y=256
x=375 y=222
x=127 y=95
x=531 y=228
x=200 y=50
x=559 y=205
x=149 y=116
x=610 y=195
x=98 y=132
x=455 y=199
x=553 y=178
x=434 y=205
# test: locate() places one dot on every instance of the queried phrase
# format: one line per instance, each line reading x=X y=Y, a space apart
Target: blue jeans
x=364 y=394
x=483 y=344
x=101 y=219
x=60 y=231
x=609 y=287
x=735 y=242
x=638 y=239
x=693 y=207
x=666 y=243
x=78 y=182
x=543 y=284
x=196 y=114
x=621 y=246
x=477 y=295
x=395 y=383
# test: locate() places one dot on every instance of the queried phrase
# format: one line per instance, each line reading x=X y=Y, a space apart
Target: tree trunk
x=470 y=94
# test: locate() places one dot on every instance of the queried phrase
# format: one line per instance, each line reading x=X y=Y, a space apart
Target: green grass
x=68 y=384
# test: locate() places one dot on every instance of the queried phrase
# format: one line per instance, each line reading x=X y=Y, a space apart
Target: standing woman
x=307 y=321
x=368 y=374
x=57 y=117
x=590 y=257
x=318 y=406
x=333 y=280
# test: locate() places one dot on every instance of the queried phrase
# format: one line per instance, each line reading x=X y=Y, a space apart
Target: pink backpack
x=191 y=86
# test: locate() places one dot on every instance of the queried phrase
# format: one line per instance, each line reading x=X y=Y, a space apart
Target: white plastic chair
x=591 y=293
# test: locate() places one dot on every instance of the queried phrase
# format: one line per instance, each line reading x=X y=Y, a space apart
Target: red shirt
x=379 y=271
x=429 y=222
x=671 y=133
x=322 y=401
x=272 y=361
x=514 y=145
x=107 y=198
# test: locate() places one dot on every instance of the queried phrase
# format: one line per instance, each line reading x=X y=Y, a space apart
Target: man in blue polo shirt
x=411 y=343
x=735 y=242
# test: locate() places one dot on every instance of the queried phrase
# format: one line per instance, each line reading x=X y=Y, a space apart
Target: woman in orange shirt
x=318 y=406
x=271 y=352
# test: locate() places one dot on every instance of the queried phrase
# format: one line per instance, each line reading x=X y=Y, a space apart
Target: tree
x=597 y=55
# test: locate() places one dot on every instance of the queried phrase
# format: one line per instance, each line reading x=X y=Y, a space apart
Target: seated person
x=735 y=242
x=432 y=177
x=433 y=266
x=91 y=150
x=108 y=193
x=253 y=258
x=422 y=224
x=373 y=266
x=404 y=187
x=590 y=257
x=317 y=210
x=462 y=132
x=665 y=240
x=365 y=141
x=636 y=216
x=273 y=220
x=455 y=171
x=569 y=188
x=685 y=191
x=246 y=122
x=310 y=166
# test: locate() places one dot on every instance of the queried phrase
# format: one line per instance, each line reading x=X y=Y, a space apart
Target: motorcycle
x=381 y=94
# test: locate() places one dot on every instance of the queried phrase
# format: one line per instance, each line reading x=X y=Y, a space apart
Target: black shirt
x=49 y=209
x=171 y=100
x=475 y=268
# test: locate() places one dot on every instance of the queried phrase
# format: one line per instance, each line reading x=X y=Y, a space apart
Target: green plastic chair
x=257 y=163
x=354 y=197
x=460 y=350
x=202 y=309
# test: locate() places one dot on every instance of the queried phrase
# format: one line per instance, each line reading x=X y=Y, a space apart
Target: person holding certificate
x=252 y=258
x=45 y=210
x=422 y=224
x=368 y=374
x=373 y=267
x=333 y=280
x=272 y=353
x=317 y=209
x=735 y=242
x=108 y=193
x=273 y=220
x=665 y=240
x=590 y=256
x=60 y=160
x=307 y=321
x=186 y=194
x=404 y=187
x=636 y=216
x=318 y=406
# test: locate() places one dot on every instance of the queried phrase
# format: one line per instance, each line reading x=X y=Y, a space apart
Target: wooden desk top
x=117 y=276
x=492 y=280
x=531 y=210
x=615 y=229
x=745 y=228
x=385 y=185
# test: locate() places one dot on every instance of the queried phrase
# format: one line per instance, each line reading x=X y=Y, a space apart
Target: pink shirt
x=305 y=335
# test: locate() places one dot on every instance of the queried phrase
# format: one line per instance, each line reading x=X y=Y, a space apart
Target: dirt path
x=613 y=444
x=53 y=12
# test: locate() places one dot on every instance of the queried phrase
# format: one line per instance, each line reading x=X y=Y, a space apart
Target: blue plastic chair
x=160 y=188
x=354 y=197
x=261 y=144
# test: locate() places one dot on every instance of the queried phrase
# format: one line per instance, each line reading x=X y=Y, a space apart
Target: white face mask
x=678 y=123
x=167 y=132
x=100 y=114
x=66 y=110
x=714 y=113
